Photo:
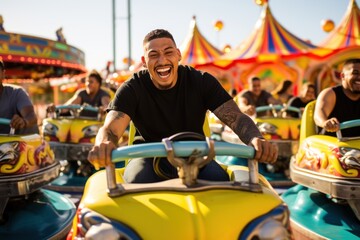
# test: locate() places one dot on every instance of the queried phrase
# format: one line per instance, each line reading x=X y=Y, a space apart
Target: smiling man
x=341 y=103
x=167 y=98
x=92 y=95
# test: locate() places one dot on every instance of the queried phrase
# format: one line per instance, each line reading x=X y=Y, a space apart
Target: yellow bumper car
x=246 y=207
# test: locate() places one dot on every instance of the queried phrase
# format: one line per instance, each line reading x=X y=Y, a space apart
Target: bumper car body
x=178 y=208
x=71 y=137
x=327 y=170
x=27 y=164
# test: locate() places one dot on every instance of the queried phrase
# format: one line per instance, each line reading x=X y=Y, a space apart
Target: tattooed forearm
x=246 y=129
x=111 y=136
x=114 y=126
x=227 y=113
x=240 y=123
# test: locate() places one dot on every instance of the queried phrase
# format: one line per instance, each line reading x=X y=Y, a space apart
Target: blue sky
x=87 y=24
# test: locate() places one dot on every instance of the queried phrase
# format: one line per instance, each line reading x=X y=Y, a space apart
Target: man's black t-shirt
x=161 y=113
x=95 y=102
x=296 y=102
x=345 y=109
x=261 y=100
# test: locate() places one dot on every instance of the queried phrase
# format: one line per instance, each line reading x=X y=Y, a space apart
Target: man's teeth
x=163 y=69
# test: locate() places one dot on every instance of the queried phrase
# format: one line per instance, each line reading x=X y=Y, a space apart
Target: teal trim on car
x=316 y=212
x=43 y=214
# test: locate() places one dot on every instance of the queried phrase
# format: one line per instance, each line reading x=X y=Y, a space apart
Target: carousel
x=31 y=57
x=42 y=66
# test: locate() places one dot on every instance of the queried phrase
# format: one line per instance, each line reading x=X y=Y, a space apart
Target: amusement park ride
x=31 y=57
x=322 y=203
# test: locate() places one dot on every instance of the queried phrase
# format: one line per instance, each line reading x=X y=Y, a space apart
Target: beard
x=353 y=87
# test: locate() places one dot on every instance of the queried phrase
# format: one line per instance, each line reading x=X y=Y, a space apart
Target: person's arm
x=105 y=100
x=245 y=107
x=290 y=103
x=324 y=105
x=107 y=138
x=230 y=114
x=26 y=119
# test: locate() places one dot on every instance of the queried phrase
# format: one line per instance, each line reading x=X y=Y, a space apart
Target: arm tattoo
x=119 y=115
x=230 y=114
x=246 y=129
x=111 y=136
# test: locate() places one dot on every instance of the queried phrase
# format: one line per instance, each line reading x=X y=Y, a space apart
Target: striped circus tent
x=347 y=33
x=342 y=43
x=268 y=42
x=195 y=49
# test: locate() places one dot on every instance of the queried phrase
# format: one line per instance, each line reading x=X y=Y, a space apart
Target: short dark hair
x=311 y=85
x=282 y=87
x=158 y=33
x=2 y=66
x=351 y=61
x=255 y=79
x=95 y=74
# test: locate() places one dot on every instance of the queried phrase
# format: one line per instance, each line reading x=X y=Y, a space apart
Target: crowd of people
x=167 y=98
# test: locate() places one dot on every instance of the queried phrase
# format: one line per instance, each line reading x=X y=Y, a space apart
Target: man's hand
x=18 y=122
x=266 y=152
x=332 y=125
x=102 y=110
x=107 y=138
x=249 y=110
x=100 y=155
x=50 y=108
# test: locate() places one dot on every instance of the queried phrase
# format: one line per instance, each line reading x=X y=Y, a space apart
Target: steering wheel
x=188 y=167
x=76 y=109
x=276 y=109
x=186 y=136
x=344 y=125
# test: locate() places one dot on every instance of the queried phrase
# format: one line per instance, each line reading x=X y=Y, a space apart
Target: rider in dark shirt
x=307 y=95
x=341 y=103
x=16 y=105
x=165 y=99
x=254 y=97
x=92 y=95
